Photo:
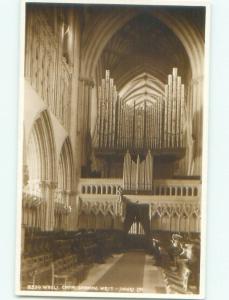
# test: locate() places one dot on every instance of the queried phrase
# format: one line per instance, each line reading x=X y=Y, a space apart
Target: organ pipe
x=166 y=117
x=178 y=110
x=174 y=112
x=169 y=109
x=174 y=100
x=138 y=175
x=107 y=98
x=182 y=117
x=141 y=126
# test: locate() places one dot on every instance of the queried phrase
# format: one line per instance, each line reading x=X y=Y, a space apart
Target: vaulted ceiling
x=142 y=88
x=144 y=45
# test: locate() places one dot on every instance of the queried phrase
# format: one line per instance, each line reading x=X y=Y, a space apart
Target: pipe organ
x=155 y=124
x=174 y=112
x=106 y=121
x=138 y=175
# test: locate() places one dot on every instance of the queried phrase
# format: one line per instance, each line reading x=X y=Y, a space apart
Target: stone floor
x=133 y=271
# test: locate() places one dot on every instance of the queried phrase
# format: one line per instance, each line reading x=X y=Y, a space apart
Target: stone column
x=195 y=118
x=72 y=218
x=64 y=216
x=68 y=216
x=93 y=115
x=47 y=214
x=74 y=21
x=192 y=162
x=50 y=192
x=42 y=206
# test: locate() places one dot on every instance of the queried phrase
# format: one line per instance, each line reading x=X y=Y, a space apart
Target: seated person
x=175 y=248
x=156 y=251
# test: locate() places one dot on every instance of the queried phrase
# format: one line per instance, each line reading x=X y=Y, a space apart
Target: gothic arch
x=41 y=150
x=135 y=74
x=186 y=32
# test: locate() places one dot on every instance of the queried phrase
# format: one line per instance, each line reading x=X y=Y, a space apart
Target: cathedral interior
x=112 y=148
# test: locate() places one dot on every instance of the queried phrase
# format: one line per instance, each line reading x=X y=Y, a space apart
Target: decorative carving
x=46 y=69
x=175 y=208
x=104 y=207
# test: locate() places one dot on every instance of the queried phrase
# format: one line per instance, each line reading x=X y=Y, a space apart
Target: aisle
x=126 y=275
x=133 y=271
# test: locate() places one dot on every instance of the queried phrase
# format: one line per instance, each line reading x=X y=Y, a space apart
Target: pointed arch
x=185 y=31
x=41 y=150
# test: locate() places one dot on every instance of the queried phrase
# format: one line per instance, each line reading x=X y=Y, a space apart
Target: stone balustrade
x=100 y=186
x=168 y=188
x=174 y=187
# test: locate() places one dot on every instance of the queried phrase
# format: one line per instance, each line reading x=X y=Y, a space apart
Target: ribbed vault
x=144 y=41
x=142 y=88
x=183 y=23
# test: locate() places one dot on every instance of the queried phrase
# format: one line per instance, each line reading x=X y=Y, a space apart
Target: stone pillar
x=47 y=214
x=93 y=110
x=72 y=218
x=64 y=216
x=195 y=126
x=42 y=206
x=75 y=101
x=50 y=190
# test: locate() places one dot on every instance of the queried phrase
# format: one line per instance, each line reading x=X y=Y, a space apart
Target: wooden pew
x=61 y=247
x=34 y=269
x=67 y=271
x=89 y=252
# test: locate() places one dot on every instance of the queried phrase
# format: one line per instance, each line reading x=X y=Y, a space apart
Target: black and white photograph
x=112 y=172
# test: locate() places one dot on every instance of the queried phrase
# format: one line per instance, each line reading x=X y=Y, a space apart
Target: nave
x=107 y=261
x=112 y=148
x=132 y=271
